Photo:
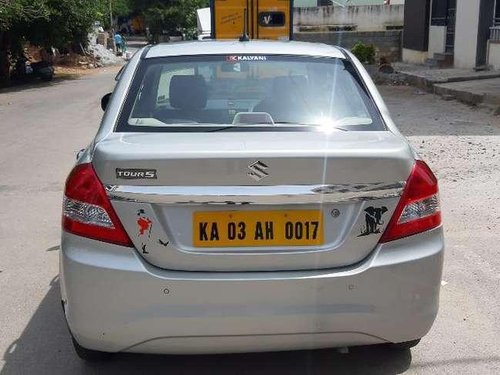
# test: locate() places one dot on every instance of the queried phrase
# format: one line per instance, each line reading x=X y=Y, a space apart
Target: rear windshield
x=247 y=93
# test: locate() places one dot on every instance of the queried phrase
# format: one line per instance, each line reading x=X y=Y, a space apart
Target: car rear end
x=212 y=216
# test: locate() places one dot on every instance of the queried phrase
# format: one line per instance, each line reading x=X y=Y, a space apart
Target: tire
x=404 y=345
x=89 y=355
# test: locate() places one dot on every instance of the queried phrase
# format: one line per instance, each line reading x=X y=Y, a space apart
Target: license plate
x=258 y=228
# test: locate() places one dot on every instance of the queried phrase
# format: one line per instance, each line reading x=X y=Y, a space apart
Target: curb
x=426 y=83
x=435 y=86
x=462 y=96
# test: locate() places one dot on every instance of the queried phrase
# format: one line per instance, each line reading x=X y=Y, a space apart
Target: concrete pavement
x=43 y=126
x=485 y=91
x=465 y=85
x=424 y=76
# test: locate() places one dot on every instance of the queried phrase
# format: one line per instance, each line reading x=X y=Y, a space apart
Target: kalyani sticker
x=237 y=58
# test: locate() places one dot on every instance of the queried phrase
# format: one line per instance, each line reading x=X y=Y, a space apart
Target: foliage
x=65 y=23
x=48 y=23
x=69 y=23
x=57 y=23
x=62 y=23
x=162 y=19
x=139 y=6
x=365 y=53
x=189 y=8
x=173 y=17
x=118 y=7
x=13 y=11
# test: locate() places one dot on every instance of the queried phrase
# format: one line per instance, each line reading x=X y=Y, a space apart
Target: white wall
x=494 y=55
x=437 y=40
x=466 y=33
x=305 y=3
x=366 y=18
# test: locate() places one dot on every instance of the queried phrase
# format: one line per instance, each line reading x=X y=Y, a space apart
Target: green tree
x=118 y=8
x=172 y=17
x=12 y=14
x=50 y=22
x=13 y=11
x=189 y=8
x=68 y=24
x=163 y=19
x=139 y=6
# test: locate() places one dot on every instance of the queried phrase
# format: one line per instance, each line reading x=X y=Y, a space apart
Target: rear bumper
x=115 y=301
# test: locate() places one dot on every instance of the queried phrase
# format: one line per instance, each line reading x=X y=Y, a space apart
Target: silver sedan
x=248 y=196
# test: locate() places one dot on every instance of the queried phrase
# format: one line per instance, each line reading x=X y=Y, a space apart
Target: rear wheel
x=404 y=345
x=90 y=355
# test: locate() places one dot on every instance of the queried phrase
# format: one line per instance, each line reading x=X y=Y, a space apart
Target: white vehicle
x=248 y=196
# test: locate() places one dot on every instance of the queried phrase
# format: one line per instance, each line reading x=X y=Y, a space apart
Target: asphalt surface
x=43 y=126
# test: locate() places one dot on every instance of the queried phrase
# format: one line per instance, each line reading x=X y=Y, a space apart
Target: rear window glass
x=247 y=92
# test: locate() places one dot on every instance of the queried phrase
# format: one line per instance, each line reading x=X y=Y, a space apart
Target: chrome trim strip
x=269 y=195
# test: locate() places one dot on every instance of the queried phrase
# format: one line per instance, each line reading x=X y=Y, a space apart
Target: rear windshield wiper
x=315 y=126
x=239 y=127
x=220 y=129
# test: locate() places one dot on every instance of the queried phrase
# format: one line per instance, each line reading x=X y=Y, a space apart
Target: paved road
x=43 y=127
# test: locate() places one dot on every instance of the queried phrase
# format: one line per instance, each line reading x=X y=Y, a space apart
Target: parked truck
x=257 y=19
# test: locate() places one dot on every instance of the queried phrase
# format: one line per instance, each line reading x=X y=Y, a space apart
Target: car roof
x=233 y=47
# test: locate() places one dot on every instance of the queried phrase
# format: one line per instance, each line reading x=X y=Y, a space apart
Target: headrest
x=188 y=92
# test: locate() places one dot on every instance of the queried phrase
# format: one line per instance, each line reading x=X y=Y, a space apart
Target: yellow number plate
x=257 y=228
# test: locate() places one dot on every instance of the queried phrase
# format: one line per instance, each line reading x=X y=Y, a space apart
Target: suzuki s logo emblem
x=257 y=170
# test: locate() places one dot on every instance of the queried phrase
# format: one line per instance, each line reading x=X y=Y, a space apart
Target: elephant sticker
x=373 y=220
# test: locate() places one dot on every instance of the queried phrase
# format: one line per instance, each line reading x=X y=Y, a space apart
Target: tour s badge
x=136 y=174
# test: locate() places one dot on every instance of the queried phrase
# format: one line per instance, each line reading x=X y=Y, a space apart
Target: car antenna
x=244 y=37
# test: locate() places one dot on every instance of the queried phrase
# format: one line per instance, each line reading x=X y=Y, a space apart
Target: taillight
x=418 y=209
x=87 y=210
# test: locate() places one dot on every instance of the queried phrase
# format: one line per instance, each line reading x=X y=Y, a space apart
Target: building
x=365 y=18
x=460 y=33
x=314 y=3
x=378 y=25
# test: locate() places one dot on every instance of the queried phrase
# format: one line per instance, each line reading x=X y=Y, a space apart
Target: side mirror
x=105 y=101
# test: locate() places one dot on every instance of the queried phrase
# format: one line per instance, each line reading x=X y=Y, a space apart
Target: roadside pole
x=110 y=14
x=111 y=25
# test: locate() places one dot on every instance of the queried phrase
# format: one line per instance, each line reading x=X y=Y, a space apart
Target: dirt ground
x=462 y=145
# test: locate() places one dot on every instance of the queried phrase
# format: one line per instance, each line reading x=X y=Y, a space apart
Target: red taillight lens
x=418 y=209
x=87 y=210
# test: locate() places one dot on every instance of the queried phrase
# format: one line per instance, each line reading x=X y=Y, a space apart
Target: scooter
x=24 y=70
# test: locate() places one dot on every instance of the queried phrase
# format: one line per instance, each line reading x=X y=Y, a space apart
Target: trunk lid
x=306 y=200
